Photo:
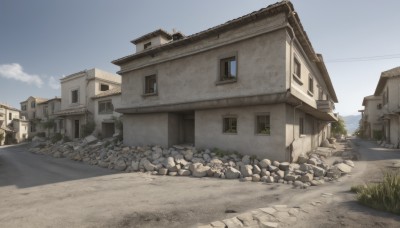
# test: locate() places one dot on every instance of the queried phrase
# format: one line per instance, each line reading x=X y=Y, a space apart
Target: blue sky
x=43 y=40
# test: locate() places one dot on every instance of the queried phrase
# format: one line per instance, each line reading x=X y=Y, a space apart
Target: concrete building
x=389 y=92
x=77 y=105
x=253 y=85
x=104 y=113
x=371 y=123
x=29 y=111
x=45 y=113
x=13 y=127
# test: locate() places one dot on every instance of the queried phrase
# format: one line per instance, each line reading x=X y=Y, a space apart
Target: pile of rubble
x=187 y=161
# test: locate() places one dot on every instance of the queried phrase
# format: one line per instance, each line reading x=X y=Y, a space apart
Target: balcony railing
x=325 y=106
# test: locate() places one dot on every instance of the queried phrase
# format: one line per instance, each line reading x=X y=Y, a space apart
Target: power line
x=360 y=59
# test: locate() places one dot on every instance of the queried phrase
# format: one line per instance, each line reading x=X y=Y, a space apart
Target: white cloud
x=54 y=83
x=15 y=71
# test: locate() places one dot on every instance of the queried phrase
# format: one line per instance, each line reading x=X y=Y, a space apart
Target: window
x=33 y=127
x=230 y=125
x=106 y=107
x=320 y=94
x=23 y=107
x=150 y=84
x=33 y=104
x=146 y=45
x=379 y=106
x=263 y=126
x=311 y=84
x=45 y=111
x=9 y=116
x=52 y=107
x=297 y=68
x=301 y=126
x=228 y=69
x=104 y=87
x=74 y=96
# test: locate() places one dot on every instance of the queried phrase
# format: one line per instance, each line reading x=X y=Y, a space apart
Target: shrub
x=381 y=196
x=88 y=128
x=57 y=137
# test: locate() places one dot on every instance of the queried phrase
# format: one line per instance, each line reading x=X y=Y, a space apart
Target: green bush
x=381 y=196
x=57 y=137
x=88 y=128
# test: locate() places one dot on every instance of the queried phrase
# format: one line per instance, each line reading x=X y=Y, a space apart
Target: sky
x=44 y=40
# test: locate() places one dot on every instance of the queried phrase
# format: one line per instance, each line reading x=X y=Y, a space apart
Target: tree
x=339 y=127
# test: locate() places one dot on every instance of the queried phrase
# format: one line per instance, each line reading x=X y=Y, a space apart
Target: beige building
x=77 y=105
x=389 y=92
x=253 y=85
x=371 y=121
x=49 y=123
x=13 y=128
x=29 y=111
x=104 y=113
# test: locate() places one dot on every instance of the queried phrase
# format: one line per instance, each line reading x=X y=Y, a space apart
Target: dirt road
x=41 y=191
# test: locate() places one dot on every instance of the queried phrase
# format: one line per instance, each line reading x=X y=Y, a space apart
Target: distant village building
x=253 y=84
x=13 y=127
x=371 y=119
x=29 y=111
x=79 y=93
x=49 y=124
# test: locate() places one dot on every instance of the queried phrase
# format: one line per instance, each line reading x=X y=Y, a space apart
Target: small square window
x=150 y=84
x=228 y=69
x=106 y=107
x=9 y=116
x=263 y=126
x=301 y=126
x=311 y=84
x=74 y=96
x=297 y=68
x=230 y=125
x=33 y=104
x=104 y=87
x=147 y=45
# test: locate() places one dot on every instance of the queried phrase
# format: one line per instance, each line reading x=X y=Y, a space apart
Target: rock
x=298 y=184
x=281 y=174
x=120 y=164
x=264 y=163
x=188 y=154
x=264 y=172
x=284 y=166
x=305 y=167
x=233 y=222
x=265 y=224
x=147 y=165
x=198 y=170
x=343 y=167
x=172 y=173
x=170 y=163
x=162 y=171
x=349 y=163
x=246 y=170
x=232 y=173
x=302 y=159
x=216 y=161
x=269 y=179
x=273 y=168
x=184 y=172
x=246 y=159
x=334 y=172
x=256 y=169
x=103 y=164
x=290 y=177
x=316 y=182
x=135 y=166
x=157 y=154
x=256 y=178
x=57 y=154
x=206 y=157
x=318 y=171
x=306 y=177
x=90 y=139
x=313 y=161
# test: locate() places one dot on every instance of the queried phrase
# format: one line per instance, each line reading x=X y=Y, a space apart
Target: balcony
x=325 y=106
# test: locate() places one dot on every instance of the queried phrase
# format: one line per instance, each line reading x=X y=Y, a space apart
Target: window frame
x=103 y=84
x=105 y=111
x=145 y=87
x=256 y=123
x=10 y=116
x=147 y=45
x=33 y=104
x=301 y=126
x=225 y=131
x=310 y=89
x=77 y=96
x=222 y=59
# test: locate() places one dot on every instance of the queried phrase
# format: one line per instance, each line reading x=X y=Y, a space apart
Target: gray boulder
x=264 y=163
x=318 y=171
x=256 y=178
x=135 y=166
x=232 y=173
x=162 y=171
x=256 y=169
x=344 y=168
x=147 y=165
x=284 y=166
x=120 y=164
x=198 y=170
x=246 y=170
x=184 y=172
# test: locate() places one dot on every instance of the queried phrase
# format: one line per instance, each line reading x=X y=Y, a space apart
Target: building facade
x=77 y=106
x=389 y=92
x=371 y=122
x=253 y=85
x=49 y=123
x=13 y=127
x=29 y=111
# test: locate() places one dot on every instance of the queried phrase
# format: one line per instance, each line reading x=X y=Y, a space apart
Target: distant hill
x=351 y=122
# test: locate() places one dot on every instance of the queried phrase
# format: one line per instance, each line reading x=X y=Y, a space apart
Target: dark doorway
x=188 y=128
x=76 y=129
x=107 y=129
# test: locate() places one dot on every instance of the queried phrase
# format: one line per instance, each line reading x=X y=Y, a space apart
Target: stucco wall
x=146 y=129
x=99 y=118
x=69 y=125
x=70 y=85
x=209 y=131
x=193 y=78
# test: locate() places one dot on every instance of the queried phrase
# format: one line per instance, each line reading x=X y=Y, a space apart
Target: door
x=188 y=128
x=76 y=129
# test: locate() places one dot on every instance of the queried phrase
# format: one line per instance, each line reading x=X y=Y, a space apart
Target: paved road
x=23 y=169
x=41 y=191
